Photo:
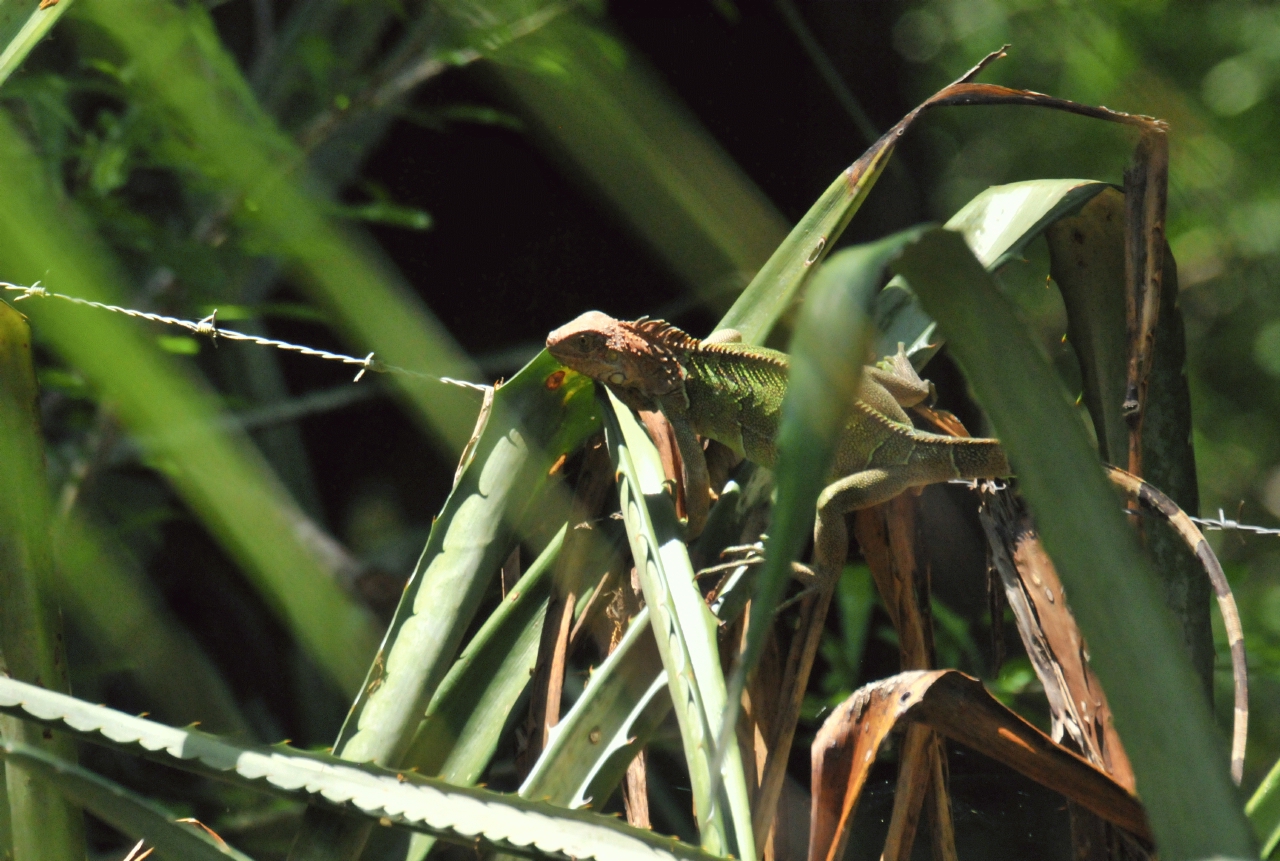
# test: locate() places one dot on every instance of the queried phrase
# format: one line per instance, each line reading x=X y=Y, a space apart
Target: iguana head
x=618 y=353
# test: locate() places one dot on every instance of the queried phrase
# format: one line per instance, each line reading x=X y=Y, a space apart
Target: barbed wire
x=1219 y=524
x=1224 y=523
x=208 y=327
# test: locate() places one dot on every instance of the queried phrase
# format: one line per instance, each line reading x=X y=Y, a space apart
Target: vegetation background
x=512 y=164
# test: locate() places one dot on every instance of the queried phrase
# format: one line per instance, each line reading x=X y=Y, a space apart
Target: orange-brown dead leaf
x=958 y=707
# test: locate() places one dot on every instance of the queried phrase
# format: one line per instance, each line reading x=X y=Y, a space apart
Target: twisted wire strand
x=208 y=327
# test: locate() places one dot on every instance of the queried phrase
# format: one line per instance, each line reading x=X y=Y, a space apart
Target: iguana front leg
x=693 y=463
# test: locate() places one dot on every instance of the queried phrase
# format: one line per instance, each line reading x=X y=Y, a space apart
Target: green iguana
x=732 y=393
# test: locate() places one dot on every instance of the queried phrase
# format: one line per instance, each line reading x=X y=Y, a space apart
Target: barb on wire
x=1222 y=522
x=208 y=327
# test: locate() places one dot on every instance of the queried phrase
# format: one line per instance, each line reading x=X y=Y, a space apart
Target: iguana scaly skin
x=733 y=393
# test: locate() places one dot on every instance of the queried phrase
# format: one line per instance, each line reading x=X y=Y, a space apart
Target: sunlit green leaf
x=44 y=826
x=542 y=413
x=460 y=732
x=826 y=362
x=23 y=23
x=454 y=813
x=685 y=632
x=1169 y=735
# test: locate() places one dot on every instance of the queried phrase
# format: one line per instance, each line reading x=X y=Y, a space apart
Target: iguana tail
x=1152 y=499
x=961 y=457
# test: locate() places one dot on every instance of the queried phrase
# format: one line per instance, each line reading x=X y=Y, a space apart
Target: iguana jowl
x=733 y=393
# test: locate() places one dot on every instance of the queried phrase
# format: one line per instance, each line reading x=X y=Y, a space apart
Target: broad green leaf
x=218 y=472
x=460 y=814
x=457 y=738
x=685 y=632
x=460 y=731
x=1159 y=709
x=22 y=25
x=543 y=412
x=1000 y=222
x=779 y=282
x=44 y=826
x=112 y=803
x=997 y=224
x=826 y=364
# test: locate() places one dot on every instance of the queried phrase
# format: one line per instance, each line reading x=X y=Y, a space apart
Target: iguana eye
x=584 y=343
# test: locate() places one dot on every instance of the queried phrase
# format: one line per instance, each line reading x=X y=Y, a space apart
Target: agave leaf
x=457 y=738
x=627 y=698
x=1170 y=736
x=542 y=413
x=460 y=731
x=460 y=814
x=685 y=632
x=112 y=803
x=545 y=411
x=23 y=23
x=44 y=826
x=622 y=705
x=778 y=282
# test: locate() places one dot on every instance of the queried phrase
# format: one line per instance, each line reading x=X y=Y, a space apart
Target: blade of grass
x=23 y=23
x=826 y=364
x=1170 y=736
x=462 y=815
x=597 y=103
x=216 y=470
x=181 y=64
x=685 y=632
x=1263 y=811
x=45 y=827
x=127 y=812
